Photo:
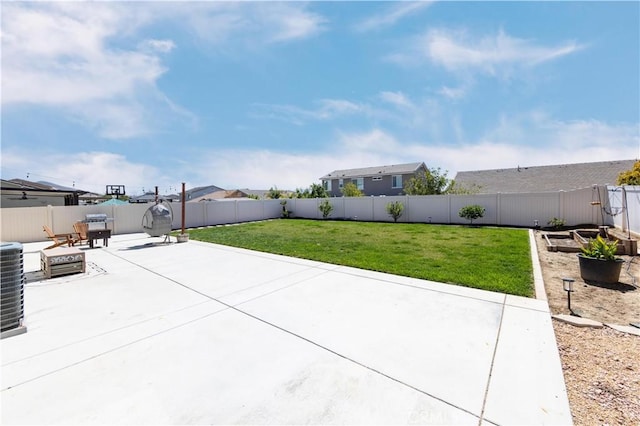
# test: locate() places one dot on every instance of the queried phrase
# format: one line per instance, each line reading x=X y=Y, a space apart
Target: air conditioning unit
x=12 y=281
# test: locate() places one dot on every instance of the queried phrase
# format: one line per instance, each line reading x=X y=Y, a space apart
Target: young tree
x=274 y=193
x=459 y=189
x=471 y=212
x=395 y=210
x=314 y=191
x=630 y=177
x=325 y=208
x=285 y=213
x=351 y=190
x=431 y=182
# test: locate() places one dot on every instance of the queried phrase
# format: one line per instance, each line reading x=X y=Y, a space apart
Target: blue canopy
x=113 y=201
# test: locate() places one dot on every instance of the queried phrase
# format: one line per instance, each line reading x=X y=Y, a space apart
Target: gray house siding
x=371 y=186
x=376 y=184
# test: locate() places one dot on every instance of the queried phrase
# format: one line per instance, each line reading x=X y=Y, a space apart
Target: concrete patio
x=198 y=333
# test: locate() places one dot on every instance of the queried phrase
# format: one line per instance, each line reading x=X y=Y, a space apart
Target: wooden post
x=182 y=199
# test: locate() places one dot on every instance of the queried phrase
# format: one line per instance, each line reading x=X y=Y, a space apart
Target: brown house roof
x=561 y=177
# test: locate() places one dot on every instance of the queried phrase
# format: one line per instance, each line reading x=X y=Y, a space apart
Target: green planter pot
x=600 y=270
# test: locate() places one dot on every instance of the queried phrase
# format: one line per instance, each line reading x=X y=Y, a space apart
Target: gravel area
x=601 y=369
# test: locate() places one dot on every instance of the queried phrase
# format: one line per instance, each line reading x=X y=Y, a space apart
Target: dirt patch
x=617 y=304
x=601 y=367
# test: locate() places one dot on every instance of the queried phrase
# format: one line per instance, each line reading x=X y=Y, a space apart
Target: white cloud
x=376 y=141
x=262 y=169
x=91 y=171
x=334 y=107
x=396 y=109
x=535 y=139
x=391 y=15
x=527 y=140
x=251 y=23
x=326 y=109
x=58 y=55
x=152 y=45
x=537 y=129
x=453 y=93
x=458 y=50
x=292 y=22
x=397 y=99
x=86 y=58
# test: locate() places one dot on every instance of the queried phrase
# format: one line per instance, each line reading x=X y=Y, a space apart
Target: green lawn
x=496 y=259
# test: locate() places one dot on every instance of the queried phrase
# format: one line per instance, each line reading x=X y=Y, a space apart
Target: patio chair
x=58 y=239
x=81 y=229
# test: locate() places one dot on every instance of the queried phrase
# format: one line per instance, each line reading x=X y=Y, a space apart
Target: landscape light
x=567 y=285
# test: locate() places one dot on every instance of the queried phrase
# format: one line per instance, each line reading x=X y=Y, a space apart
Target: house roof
x=394 y=169
x=199 y=191
x=148 y=197
x=40 y=185
x=260 y=193
x=561 y=177
x=220 y=195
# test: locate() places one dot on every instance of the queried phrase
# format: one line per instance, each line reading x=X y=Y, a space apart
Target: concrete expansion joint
x=493 y=360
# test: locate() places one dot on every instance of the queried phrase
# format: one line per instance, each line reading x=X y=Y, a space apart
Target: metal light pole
x=567 y=285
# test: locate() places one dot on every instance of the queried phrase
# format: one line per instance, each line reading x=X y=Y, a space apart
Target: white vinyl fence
x=623 y=207
x=596 y=206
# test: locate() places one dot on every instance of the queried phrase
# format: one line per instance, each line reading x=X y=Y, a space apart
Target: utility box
x=62 y=261
x=12 y=295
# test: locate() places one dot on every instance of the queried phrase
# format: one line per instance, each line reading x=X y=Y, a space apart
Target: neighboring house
x=91 y=198
x=220 y=195
x=150 y=197
x=23 y=193
x=379 y=180
x=561 y=177
x=199 y=191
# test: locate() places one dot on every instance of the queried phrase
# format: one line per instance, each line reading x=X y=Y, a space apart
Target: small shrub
x=395 y=210
x=471 y=212
x=556 y=223
x=325 y=208
x=285 y=213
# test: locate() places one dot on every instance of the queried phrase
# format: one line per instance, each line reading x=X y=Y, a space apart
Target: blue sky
x=262 y=94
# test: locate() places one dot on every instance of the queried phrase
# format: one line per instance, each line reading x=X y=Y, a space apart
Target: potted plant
x=598 y=261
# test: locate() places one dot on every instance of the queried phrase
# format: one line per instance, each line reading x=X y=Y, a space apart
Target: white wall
x=575 y=207
x=623 y=207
